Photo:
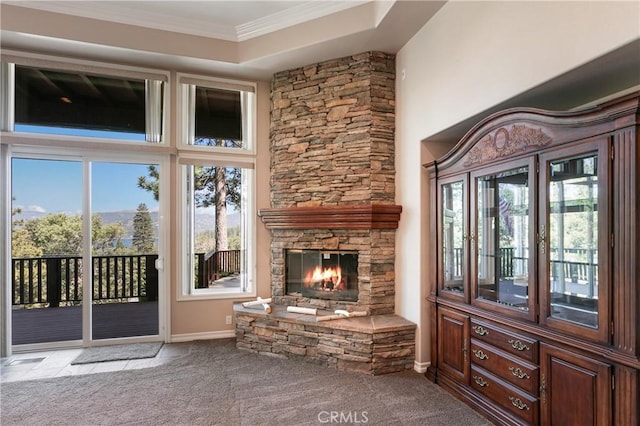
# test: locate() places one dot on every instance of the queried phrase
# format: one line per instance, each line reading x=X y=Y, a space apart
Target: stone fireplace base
x=374 y=345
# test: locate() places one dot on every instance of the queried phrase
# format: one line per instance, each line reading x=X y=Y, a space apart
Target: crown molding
x=120 y=12
x=293 y=16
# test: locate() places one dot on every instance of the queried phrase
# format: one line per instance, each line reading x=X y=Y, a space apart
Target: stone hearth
x=375 y=344
x=333 y=188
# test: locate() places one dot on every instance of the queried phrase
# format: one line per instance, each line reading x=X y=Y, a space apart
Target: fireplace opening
x=322 y=274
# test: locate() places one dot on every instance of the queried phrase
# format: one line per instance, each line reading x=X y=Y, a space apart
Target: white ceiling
x=249 y=26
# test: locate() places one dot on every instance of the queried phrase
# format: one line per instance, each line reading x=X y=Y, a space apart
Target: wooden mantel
x=355 y=216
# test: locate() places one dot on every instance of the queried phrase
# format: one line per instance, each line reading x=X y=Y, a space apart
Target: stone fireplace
x=367 y=230
x=333 y=193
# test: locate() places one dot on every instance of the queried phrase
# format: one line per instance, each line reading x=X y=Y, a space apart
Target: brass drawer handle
x=479 y=354
x=517 y=402
x=480 y=381
x=519 y=373
x=480 y=330
x=517 y=344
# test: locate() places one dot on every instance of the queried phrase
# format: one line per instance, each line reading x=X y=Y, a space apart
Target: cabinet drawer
x=516 y=344
x=519 y=403
x=512 y=369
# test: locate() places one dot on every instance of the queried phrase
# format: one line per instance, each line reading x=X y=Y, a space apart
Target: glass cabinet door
x=453 y=238
x=503 y=219
x=573 y=233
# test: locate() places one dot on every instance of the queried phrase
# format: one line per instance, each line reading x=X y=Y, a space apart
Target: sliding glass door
x=124 y=250
x=46 y=250
x=84 y=249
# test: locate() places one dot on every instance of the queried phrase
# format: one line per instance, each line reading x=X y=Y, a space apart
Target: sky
x=54 y=186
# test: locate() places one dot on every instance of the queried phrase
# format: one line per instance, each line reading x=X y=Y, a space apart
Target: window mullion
x=7 y=96
x=153 y=110
x=189 y=114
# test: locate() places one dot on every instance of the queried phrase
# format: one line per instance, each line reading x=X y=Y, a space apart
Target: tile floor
x=57 y=363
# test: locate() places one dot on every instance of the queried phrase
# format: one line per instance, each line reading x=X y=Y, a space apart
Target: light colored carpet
x=213 y=383
x=117 y=353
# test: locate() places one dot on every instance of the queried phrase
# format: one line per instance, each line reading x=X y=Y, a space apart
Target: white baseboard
x=189 y=337
x=421 y=367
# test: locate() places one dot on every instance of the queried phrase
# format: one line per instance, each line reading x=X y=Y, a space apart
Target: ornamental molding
x=505 y=142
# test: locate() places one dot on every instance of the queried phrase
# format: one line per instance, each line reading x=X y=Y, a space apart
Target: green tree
x=204 y=241
x=56 y=234
x=143 y=235
x=61 y=234
x=234 y=238
x=107 y=239
x=214 y=186
x=21 y=244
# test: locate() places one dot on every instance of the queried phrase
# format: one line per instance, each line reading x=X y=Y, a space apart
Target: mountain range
x=204 y=221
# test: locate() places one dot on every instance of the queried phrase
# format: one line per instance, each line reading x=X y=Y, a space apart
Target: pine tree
x=143 y=235
x=214 y=187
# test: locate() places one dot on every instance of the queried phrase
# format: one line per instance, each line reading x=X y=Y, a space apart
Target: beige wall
x=469 y=57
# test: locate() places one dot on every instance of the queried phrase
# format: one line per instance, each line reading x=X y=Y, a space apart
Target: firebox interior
x=322 y=274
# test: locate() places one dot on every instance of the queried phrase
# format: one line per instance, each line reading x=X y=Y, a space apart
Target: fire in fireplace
x=322 y=274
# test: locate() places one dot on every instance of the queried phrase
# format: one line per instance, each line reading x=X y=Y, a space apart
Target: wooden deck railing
x=214 y=265
x=57 y=280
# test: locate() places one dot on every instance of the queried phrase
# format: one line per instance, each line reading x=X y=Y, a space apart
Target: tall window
x=80 y=140
x=217 y=159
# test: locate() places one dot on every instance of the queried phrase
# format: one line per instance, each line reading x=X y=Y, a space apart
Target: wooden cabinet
x=453 y=353
x=531 y=212
x=575 y=390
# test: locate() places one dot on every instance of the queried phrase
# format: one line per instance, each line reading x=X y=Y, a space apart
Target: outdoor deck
x=65 y=323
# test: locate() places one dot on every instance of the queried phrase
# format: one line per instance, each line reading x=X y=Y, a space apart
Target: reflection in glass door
x=503 y=222
x=124 y=202
x=573 y=233
x=46 y=250
x=453 y=236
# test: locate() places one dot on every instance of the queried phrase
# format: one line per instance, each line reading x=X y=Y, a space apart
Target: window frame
x=8 y=133
x=189 y=154
x=186 y=121
x=89 y=148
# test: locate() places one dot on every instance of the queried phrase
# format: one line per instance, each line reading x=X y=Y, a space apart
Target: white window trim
x=71 y=64
x=186 y=124
x=188 y=154
x=185 y=290
x=35 y=145
x=108 y=70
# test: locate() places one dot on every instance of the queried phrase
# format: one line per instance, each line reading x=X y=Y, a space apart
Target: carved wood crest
x=504 y=143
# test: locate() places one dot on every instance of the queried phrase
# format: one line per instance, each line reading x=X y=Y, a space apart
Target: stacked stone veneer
x=374 y=345
x=332 y=144
x=332 y=132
